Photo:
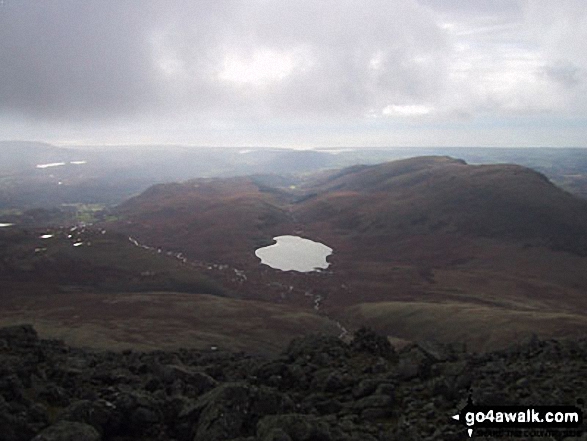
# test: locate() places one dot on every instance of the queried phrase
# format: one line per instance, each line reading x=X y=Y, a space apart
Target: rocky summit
x=320 y=388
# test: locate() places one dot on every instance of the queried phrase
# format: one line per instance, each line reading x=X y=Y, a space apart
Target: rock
x=296 y=427
x=374 y=401
x=408 y=369
x=386 y=388
x=15 y=427
x=224 y=412
x=233 y=409
x=21 y=335
x=366 y=340
x=437 y=351
x=197 y=382
x=11 y=388
x=139 y=412
x=365 y=387
x=68 y=431
x=328 y=380
x=102 y=415
x=373 y=414
x=320 y=389
x=279 y=374
x=54 y=395
x=414 y=362
x=320 y=350
x=276 y=434
x=523 y=382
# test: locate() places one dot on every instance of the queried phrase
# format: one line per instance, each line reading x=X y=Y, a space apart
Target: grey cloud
x=565 y=73
x=477 y=8
x=346 y=35
x=69 y=59
x=123 y=62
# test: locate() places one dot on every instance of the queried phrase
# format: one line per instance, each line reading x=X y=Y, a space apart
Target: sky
x=294 y=73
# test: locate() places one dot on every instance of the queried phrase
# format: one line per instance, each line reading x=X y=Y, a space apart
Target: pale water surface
x=293 y=253
x=59 y=164
x=51 y=164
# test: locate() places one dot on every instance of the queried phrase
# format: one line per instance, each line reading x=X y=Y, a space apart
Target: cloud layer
x=252 y=71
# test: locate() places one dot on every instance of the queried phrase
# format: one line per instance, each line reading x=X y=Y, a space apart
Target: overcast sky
x=295 y=73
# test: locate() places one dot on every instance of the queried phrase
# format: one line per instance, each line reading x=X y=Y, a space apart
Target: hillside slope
x=221 y=220
x=441 y=195
x=423 y=247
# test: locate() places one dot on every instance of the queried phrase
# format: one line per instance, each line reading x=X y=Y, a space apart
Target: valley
x=428 y=248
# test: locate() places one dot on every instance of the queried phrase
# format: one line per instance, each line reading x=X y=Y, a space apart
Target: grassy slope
x=481 y=327
x=104 y=262
x=424 y=238
x=420 y=240
x=156 y=320
x=221 y=220
x=94 y=295
x=441 y=195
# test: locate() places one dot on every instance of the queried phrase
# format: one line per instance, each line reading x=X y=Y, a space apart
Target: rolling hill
x=440 y=195
x=222 y=220
x=424 y=247
x=95 y=288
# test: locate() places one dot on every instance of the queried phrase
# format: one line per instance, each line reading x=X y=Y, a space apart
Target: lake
x=59 y=164
x=293 y=253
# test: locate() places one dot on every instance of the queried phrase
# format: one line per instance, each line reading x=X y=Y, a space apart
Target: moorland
x=431 y=247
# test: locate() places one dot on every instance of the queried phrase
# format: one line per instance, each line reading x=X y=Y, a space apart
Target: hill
x=95 y=288
x=441 y=195
x=217 y=220
x=426 y=247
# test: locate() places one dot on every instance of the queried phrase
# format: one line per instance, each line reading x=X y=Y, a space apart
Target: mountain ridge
x=440 y=194
x=430 y=231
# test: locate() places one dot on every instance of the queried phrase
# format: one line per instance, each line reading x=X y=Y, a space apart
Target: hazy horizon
x=245 y=147
x=247 y=73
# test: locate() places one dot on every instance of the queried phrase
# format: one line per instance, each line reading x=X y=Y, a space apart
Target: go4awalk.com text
x=519 y=420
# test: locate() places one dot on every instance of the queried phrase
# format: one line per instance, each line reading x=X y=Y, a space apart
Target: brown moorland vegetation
x=421 y=237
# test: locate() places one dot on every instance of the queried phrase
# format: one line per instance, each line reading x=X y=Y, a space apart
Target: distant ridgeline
x=32 y=171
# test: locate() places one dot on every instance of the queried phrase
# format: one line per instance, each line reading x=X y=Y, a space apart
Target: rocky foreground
x=319 y=389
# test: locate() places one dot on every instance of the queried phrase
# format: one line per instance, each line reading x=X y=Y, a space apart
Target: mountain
x=214 y=219
x=34 y=174
x=441 y=195
x=427 y=247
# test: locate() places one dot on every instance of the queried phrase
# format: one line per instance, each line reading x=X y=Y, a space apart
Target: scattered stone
x=320 y=389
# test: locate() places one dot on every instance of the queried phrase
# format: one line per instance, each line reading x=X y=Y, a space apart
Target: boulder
x=366 y=340
x=102 y=415
x=19 y=335
x=233 y=409
x=68 y=431
x=294 y=427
